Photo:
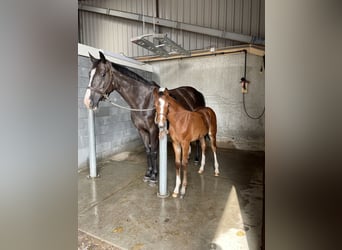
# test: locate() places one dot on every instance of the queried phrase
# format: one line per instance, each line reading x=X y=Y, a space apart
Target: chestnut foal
x=184 y=127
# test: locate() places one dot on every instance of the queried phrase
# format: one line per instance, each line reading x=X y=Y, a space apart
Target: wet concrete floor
x=222 y=212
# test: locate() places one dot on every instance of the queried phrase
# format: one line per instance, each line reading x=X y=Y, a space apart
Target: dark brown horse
x=185 y=126
x=106 y=77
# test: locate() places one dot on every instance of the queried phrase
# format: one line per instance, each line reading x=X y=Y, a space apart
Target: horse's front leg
x=201 y=169
x=154 y=143
x=177 y=150
x=185 y=150
x=146 y=140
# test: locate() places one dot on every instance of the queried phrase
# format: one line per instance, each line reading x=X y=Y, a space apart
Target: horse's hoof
x=182 y=196
x=196 y=162
x=153 y=179
x=146 y=178
x=174 y=195
x=217 y=174
x=200 y=171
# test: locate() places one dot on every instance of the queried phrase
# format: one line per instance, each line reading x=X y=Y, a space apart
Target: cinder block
x=84 y=62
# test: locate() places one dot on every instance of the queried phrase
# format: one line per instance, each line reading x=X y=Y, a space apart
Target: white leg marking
x=176 y=190
x=183 y=189
x=217 y=172
x=200 y=171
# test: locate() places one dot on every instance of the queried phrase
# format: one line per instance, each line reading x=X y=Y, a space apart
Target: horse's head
x=100 y=78
x=162 y=106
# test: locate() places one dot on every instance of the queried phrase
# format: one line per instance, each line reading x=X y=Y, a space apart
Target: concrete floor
x=222 y=212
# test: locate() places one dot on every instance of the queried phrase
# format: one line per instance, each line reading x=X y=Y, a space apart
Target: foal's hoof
x=174 y=195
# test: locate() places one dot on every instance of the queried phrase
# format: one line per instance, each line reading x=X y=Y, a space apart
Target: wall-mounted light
x=161 y=45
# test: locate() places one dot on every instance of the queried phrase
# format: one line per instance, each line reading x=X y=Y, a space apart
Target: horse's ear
x=102 y=57
x=166 y=91
x=92 y=59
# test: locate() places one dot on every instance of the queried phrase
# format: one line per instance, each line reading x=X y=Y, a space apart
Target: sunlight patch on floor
x=230 y=233
x=120 y=156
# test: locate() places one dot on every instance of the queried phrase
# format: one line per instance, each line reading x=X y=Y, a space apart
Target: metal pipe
x=163 y=193
x=92 y=144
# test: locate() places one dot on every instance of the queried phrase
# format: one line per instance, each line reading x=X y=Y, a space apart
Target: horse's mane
x=124 y=70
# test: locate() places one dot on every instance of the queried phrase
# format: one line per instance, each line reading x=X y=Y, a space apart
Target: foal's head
x=162 y=106
x=100 y=78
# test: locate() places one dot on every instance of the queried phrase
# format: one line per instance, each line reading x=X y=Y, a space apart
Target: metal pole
x=92 y=147
x=163 y=193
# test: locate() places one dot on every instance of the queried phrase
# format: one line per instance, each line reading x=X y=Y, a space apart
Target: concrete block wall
x=114 y=130
x=218 y=77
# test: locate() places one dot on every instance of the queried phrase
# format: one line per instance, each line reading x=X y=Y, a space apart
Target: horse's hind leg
x=201 y=169
x=197 y=152
x=177 y=150
x=214 y=148
x=185 y=149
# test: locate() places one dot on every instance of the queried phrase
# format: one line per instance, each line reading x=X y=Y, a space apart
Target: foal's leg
x=213 y=148
x=185 y=161
x=201 y=169
x=189 y=152
x=177 y=150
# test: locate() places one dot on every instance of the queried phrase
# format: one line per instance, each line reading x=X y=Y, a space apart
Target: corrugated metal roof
x=114 y=33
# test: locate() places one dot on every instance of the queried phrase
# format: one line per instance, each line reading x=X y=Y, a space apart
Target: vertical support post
x=163 y=193
x=92 y=148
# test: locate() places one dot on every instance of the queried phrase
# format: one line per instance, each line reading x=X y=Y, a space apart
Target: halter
x=105 y=95
x=102 y=93
x=97 y=91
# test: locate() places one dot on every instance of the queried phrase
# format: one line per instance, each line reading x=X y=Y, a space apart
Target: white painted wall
x=218 y=78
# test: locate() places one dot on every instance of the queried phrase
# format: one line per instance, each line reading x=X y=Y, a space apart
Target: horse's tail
x=212 y=127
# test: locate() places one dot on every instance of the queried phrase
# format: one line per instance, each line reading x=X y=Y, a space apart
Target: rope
x=244 y=107
x=122 y=107
x=243 y=94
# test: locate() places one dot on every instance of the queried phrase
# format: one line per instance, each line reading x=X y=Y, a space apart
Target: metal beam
x=174 y=24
